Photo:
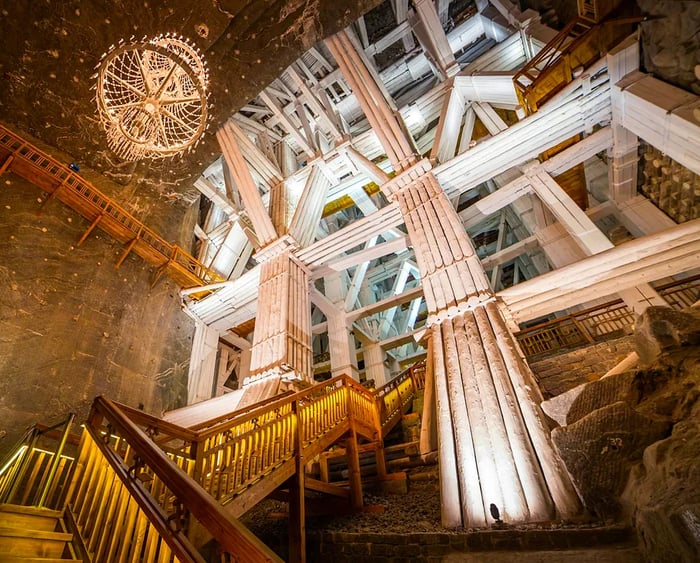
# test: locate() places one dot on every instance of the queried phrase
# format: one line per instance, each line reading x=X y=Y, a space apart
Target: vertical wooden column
x=341 y=342
x=201 y=379
x=494 y=447
x=354 y=475
x=428 y=425
x=297 y=510
x=282 y=337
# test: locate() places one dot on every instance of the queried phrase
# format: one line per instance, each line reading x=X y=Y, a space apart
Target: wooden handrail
x=202 y=426
x=572 y=330
x=232 y=536
x=44 y=171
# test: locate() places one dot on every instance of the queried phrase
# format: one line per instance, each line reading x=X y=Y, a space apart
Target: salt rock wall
x=72 y=326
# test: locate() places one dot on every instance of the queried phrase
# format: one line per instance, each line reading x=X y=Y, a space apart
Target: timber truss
x=544 y=195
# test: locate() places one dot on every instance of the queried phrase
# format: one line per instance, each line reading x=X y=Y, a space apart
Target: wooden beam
x=663 y=115
x=366 y=166
x=327 y=488
x=92 y=226
x=448 y=127
x=315 y=104
x=632 y=263
x=6 y=164
x=367 y=254
x=511 y=252
x=310 y=207
x=248 y=189
x=384 y=304
x=354 y=474
x=287 y=123
x=127 y=250
x=427 y=27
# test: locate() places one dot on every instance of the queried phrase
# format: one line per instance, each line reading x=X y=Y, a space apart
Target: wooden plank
x=327 y=488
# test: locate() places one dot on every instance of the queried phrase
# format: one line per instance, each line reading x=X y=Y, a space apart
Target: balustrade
x=600 y=322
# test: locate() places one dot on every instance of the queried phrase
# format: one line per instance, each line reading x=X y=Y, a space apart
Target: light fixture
x=152 y=97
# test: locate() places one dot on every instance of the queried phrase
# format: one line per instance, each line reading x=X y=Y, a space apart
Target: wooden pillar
x=354 y=475
x=494 y=446
x=374 y=363
x=297 y=511
x=493 y=443
x=428 y=426
x=341 y=342
x=341 y=345
x=282 y=337
x=201 y=379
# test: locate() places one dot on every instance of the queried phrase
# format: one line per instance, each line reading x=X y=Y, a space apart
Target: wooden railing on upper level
x=62 y=183
x=600 y=322
x=578 y=45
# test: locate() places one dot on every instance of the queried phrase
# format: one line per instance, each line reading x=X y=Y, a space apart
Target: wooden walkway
x=27 y=161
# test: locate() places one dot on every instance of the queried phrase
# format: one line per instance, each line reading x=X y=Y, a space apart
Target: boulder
x=601 y=393
x=661 y=329
x=600 y=449
x=557 y=408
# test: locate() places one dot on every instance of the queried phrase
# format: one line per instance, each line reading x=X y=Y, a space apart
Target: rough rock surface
x=72 y=326
x=599 y=450
x=601 y=393
x=671 y=41
x=618 y=448
x=662 y=496
x=662 y=329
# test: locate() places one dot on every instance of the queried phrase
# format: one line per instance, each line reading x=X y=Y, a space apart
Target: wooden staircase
x=34 y=535
x=143 y=489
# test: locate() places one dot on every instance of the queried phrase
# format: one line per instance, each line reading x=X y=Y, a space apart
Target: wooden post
x=128 y=249
x=297 y=513
x=92 y=226
x=354 y=475
x=428 y=427
x=6 y=164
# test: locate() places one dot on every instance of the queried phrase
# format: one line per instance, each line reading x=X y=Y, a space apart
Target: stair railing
x=34 y=475
x=229 y=455
x=130 y=497
x=578 y=45
x=600 y=322
x=394 y=397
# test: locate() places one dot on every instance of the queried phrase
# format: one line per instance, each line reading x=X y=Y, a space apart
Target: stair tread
x=34 y=534
x=29 y=522
x=30 y=510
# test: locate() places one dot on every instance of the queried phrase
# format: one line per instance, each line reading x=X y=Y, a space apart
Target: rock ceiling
x=51 y=47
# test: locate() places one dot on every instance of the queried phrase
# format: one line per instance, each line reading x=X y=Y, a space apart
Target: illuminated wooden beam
x=431 y=35
x=642 y=260
x=248 y=189
x=286 y=122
